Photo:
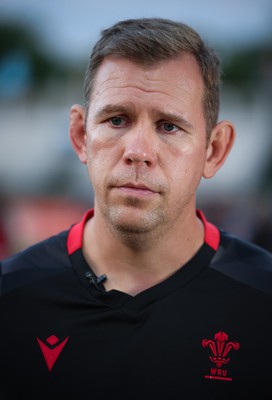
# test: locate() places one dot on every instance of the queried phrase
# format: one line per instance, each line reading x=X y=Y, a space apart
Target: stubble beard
x=135 y=227
x=131 y=220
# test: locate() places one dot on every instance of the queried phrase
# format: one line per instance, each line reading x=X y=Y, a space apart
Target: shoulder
x=244 y=262
x=43 y=259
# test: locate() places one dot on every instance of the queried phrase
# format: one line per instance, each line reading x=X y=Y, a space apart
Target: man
x=143 y=299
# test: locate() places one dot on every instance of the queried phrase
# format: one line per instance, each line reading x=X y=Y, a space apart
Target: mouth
x=136 y=189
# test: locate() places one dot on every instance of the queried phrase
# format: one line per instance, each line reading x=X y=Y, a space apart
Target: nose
x=141 y=146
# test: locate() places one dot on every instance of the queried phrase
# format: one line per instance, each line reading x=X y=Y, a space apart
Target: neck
x=135 y=262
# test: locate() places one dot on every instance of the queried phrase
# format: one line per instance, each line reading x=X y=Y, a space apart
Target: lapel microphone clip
x=94 y=280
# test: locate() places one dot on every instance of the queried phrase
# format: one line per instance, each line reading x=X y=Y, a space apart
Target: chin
x=135 y=221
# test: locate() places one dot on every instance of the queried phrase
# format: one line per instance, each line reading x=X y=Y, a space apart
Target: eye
x=168 y=127
x=117 y=121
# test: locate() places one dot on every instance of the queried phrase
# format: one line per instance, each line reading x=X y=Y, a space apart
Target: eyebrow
x=121 y=109
x=112 y=109
x=176 y=119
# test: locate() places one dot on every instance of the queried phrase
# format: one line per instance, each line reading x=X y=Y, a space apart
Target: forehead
x=175 y=80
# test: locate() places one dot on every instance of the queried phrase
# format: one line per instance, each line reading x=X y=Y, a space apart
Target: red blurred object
x=30 y=220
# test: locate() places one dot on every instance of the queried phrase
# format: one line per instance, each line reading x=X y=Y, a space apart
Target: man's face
x=146 y=142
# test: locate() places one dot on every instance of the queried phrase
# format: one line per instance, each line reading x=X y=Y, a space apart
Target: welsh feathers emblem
x=220 y=349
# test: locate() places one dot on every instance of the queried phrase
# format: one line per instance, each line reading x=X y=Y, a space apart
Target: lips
x=139 y=189
x=136 y=186
x=146 y=184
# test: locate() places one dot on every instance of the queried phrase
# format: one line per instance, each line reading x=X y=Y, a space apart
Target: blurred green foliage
x=247 y=68
x=21 y=39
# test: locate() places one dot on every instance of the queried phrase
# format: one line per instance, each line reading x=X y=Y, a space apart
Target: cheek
x=100 y=139
x=101 y=155
x=187 y=167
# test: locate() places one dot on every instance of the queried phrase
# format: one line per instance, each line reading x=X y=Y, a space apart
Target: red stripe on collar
x=212 y=234
x=75 y=235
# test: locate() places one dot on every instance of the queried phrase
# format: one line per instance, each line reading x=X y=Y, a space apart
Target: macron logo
x=51 y=349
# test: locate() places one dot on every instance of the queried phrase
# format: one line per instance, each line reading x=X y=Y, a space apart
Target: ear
x=77 y=131
x=219 y=146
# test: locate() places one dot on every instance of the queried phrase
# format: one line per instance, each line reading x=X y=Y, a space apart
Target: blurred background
x=44 y=47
